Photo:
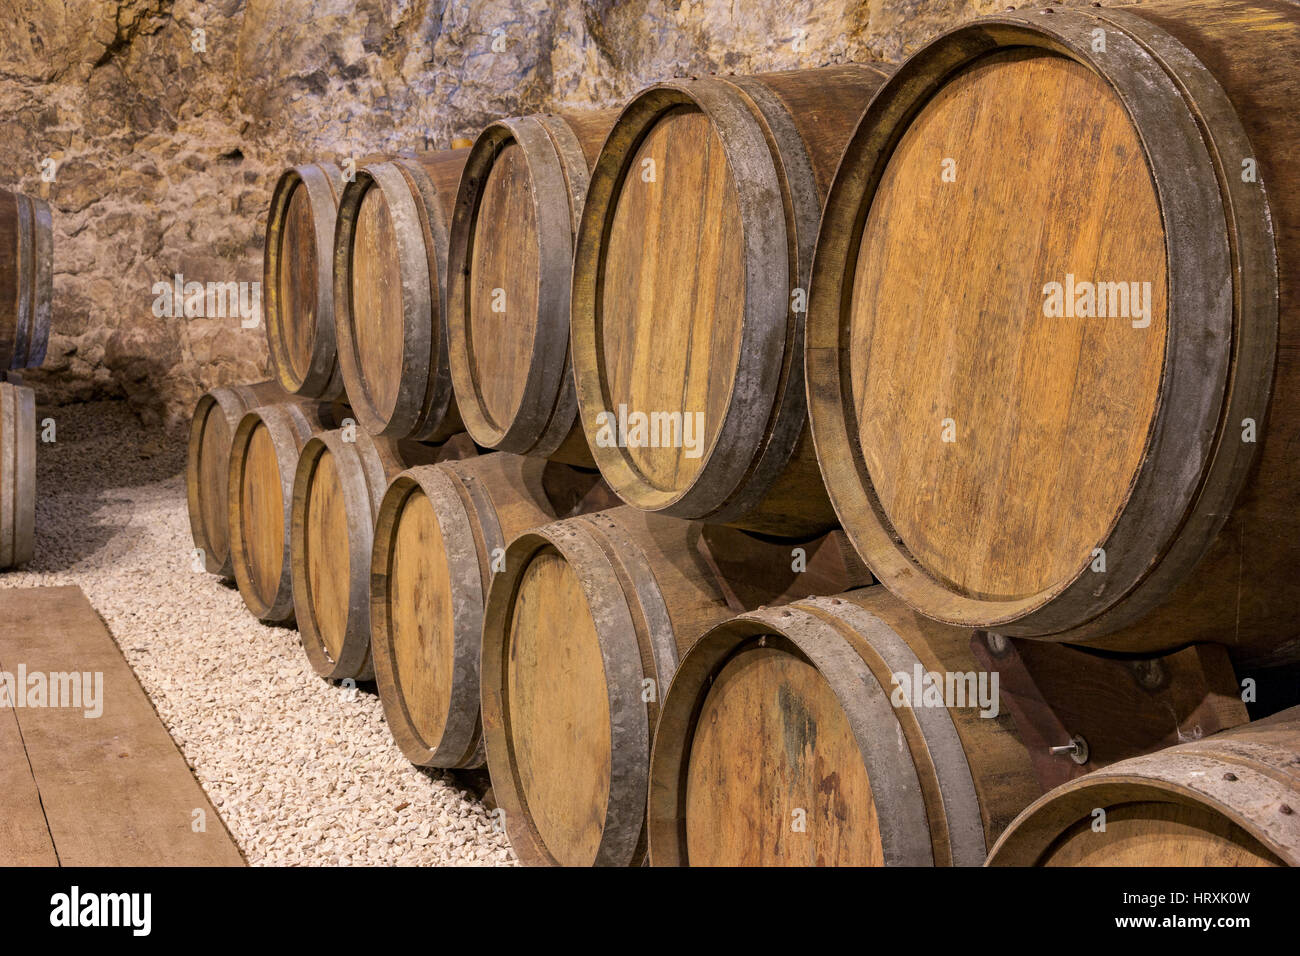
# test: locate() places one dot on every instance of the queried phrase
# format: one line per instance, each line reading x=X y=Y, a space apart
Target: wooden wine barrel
x=509 y=268
x=689 y=282
x=1080 y=426
x=390 y=273
x=26 y=279
x=17 y=474
x=1225 y=800
x=263 y=461
x=439 y=540
x=207 y=472
x=785 y=740
x=581 y=635
x=340 y=480
x=298 y=281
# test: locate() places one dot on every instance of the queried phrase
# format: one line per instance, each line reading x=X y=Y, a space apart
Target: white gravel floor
x=303 y=772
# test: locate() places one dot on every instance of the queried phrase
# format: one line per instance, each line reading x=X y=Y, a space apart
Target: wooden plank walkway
x=77 y=790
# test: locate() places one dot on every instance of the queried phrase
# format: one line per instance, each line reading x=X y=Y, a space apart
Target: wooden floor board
x=111 y=790
x=24 y=836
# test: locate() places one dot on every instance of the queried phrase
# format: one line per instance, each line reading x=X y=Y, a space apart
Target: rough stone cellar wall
x=166 y=141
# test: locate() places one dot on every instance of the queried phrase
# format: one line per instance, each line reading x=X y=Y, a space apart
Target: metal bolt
x=998 y=644
x=1230 y=777
x=1076 y=749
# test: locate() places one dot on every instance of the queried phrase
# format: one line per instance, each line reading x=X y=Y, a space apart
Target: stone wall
x=168 y=122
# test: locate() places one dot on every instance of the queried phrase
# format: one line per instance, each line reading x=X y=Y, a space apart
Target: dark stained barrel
x=26 y=279
x=806 y=735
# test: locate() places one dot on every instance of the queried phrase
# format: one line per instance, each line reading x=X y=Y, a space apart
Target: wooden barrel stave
x=520 y=202
x=1224 y=800
x=439 y=539
x=26 y=279
x=581 y=636
x=777 y=137
x=340 y=481
x=216 y=416
x=941 y=800
x=263 y=462
x=1194 y=518
x=390 y=248
x=298 y=279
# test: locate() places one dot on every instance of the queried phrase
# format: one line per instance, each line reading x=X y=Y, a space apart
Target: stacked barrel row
x=1039 y=372
x=26 y=292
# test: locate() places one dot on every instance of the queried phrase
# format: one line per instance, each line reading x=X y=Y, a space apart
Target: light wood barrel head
x=390 y=258
x=376 y=296
x=510 y=260
x=427 y=594
x=439 y=538
x=328 y=566
x=774 y=754
x=1225 y=800
x=333 y=520
x=559 y=710
x=751 y=695
x=566 y=729
x=1120 y=819
x=1041 y=409
x=1045 y=409
x=261 y=515
x=212 y=428
x=1153 y=833
x=297 y=279
x=210 y=463
x=421 y=617
x=503 y=279
x=263 y=462
x=673 y=289
x=681 y=299
x=419 y=613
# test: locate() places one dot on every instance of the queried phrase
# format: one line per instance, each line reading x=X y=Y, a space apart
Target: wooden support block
x=1121 y=706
